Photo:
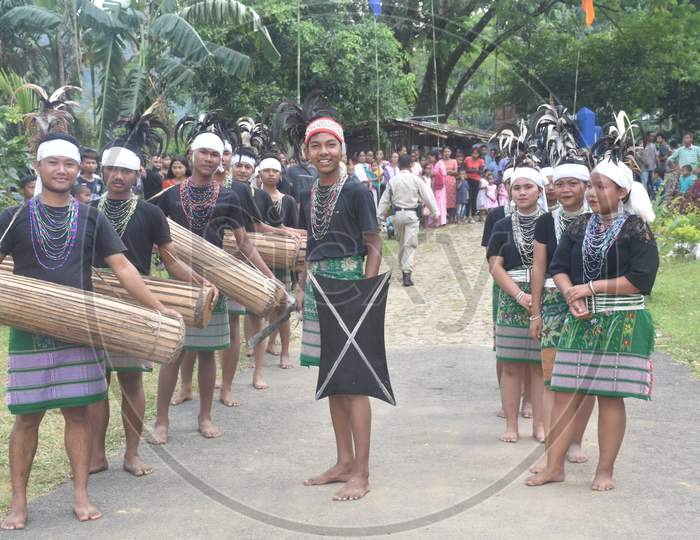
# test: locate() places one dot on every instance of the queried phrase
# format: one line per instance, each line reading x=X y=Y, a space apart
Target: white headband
x=118 y=156
x=534 y=176
x=238 y=158
x=638 y=202
x=546 y=172
x=227 y=146
x=571 y=170
x=208 y=141
x=58 y=148
x=270 y=163
x=507 y=174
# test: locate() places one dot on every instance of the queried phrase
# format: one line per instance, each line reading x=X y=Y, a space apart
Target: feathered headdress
x=54 y=113
x=291 y=119
x=516 y=142
x=145 y=133
x=618 y=143
x=188 y=127
x=556 y=135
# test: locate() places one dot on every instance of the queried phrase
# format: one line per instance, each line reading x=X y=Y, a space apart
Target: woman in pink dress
x=451 y=167
x=439 y=176
x=491 y=193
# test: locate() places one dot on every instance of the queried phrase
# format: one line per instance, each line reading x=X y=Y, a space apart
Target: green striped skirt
x=216 y=336
x=513 y=341
x=123 y=364
x=608 y=355
x=554 y=311
x=494 y=309
x=44 y=373
x=340 y=268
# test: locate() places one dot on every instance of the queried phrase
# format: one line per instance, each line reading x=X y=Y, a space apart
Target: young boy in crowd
x=462 y=195
x=88 y=173
x=26 y=186
x=687 y=179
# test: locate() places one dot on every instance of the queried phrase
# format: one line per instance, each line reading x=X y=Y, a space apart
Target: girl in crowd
x=439 y=174
x=178 y=171
x=510 y=256
x=450 y=166
x=491 y=193
x=605 y=262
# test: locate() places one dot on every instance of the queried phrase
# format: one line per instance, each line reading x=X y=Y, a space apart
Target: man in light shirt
x=403 y=196
x=687 y=154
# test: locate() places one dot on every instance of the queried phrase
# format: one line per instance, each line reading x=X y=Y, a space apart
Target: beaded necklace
x=53 y=232
x=118 y=212
x=198 y=203
x=323 y=201
x=563 y=218
x=524 y=234
x=600 y=236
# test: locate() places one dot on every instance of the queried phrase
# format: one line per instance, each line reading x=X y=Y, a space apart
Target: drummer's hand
x=168 y=312
x=215 y=298
x=300 y=299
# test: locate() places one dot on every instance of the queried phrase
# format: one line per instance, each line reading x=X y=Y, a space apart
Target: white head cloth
x=508 y=174
x=571 y=170
x=270 y=163
x=534 y=176
x=58 y=148
x=118 y=156
x=238 y=158
x=227 y=146
x=638 y=202
x=546 y=172
x=209 y=141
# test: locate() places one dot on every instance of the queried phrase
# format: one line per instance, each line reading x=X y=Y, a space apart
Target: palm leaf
x=99 y=19
x=172 y=70
x=181 y=35
x=231 y=11
x=25 y=99
x=133 y=92
x=30 y=19
x=233 y=62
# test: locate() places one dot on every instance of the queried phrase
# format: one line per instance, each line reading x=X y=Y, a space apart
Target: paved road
x=438 y=470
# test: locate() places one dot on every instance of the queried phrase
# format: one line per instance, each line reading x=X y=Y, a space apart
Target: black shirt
x=545 y=234
x=633 y=255
x=227 y=214
x=97 y=186
x=354 y=215
x=283 y=185
x=301 y=179
x=494 y=216
x=265 y=207
x=152 y=184
x=250 y=211
x=147 y=226
x=96 y=239
x=287 y=213
x=501 y=244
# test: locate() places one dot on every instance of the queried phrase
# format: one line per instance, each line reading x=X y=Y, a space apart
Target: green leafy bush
x=15 y=160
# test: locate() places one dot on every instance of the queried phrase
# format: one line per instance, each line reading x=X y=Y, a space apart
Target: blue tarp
x=585 y=118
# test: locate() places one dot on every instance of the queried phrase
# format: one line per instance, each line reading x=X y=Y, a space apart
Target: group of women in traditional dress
x=570 y=277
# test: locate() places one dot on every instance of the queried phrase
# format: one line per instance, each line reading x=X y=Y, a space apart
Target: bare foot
x=16 y=518
x=208 y=430
x=540 y=466
x=158 y=435
x=181 y=397
x=509 y=437
x=526 y=411
x=274 y=349
x=86 y=512
x=249 y=351
x=97 y=465
x=259 y=384
x=136 y=466
x=576 y=455
x=501 y=413
x=285 y=363
x=545 y=477
x=337 y=473
x=603 y=481
x=355 y=488
x=226 y=398
x=538 y=434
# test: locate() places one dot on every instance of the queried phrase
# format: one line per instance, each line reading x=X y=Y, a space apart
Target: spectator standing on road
x=649 y=160
x=475 y=169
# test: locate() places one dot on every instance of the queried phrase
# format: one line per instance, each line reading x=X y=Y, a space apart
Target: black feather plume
x=618 y=142
x=188 y=127
x=145 y=133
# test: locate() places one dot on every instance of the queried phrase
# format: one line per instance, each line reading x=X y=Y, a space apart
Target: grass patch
x=675 y=307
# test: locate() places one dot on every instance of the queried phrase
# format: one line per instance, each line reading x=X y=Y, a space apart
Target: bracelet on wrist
x=590 y=286
x=535 y=317
x=519 y=296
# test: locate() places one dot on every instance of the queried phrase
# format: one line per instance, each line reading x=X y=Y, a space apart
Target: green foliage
x=14 y=157
x=677 y=233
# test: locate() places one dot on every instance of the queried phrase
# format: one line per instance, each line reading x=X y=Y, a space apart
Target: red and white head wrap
x=324 y=125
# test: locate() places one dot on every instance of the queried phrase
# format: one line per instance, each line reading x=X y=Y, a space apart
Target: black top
x=501 y=244
x=633 y=255
x=266 y=208
x=147 y=226
x=545 y=234
x=251 y=213
x=97 y=186
x=96 y=239
x=287 y=213
x=283 y=185
x=494 y=216
x=153 y=183
x=354 y=215
x=301 y=179
x=227 y=214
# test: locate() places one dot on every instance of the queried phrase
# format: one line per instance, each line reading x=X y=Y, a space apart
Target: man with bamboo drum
x=55 y=238
x=141 y=226
x=204 y=207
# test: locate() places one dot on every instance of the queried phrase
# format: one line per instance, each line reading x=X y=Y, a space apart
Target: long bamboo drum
x=281 y=252
x=191 y=301
x=89 y=319
x=233 y=277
